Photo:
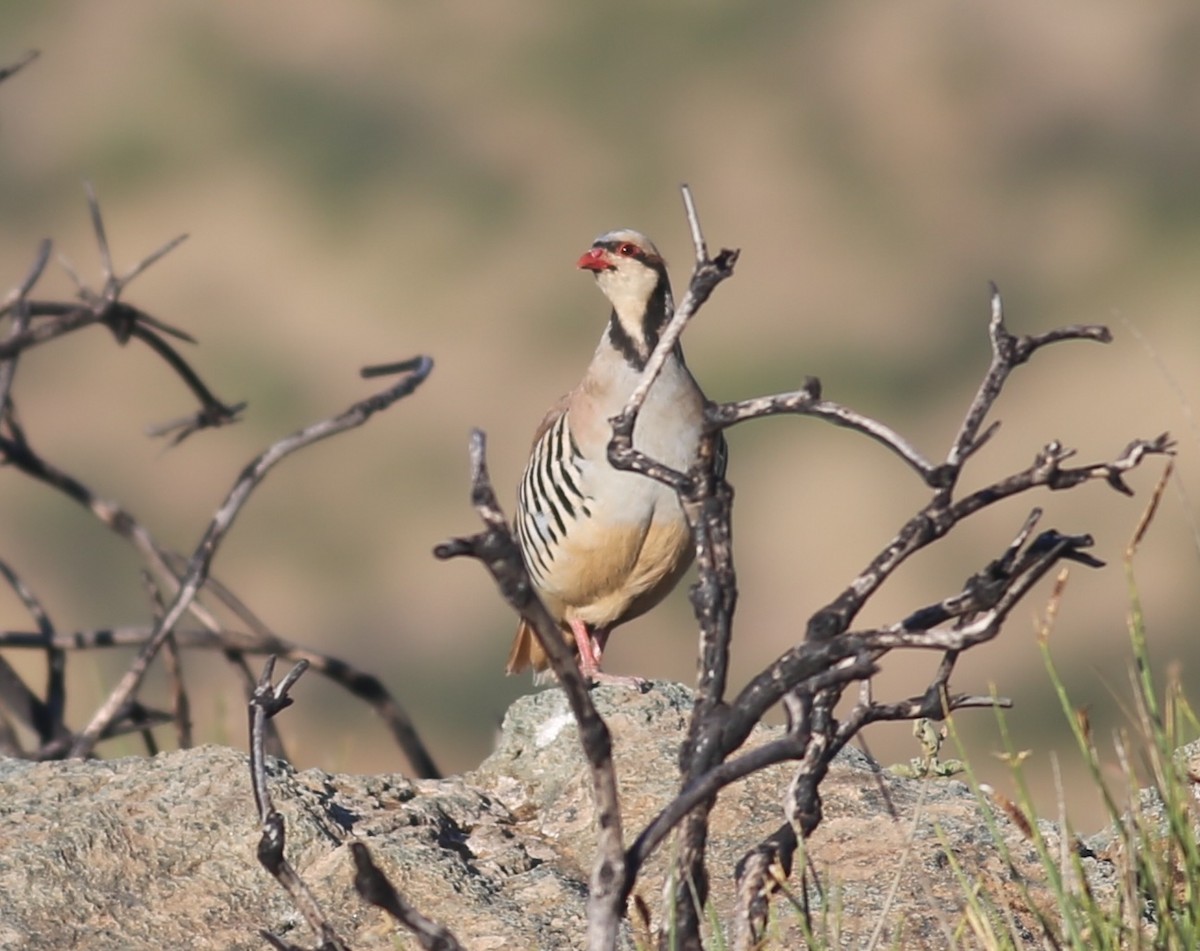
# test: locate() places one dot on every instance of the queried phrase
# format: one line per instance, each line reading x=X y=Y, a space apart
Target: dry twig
x=260 y=641
x=994 y=591
x=496 y=547
x=181 y=707
x=8 y=71
x=374 y=887
x=54 y=319
x=36 y=322
x=44 y=717
x=198 y=566
x=268 y=700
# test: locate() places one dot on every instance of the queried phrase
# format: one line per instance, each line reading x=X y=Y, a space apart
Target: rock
x=157 y=853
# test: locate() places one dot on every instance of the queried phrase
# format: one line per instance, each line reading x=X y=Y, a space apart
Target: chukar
x=603 y=546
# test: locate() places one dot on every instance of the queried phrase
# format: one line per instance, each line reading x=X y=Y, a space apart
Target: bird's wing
x=526 y=652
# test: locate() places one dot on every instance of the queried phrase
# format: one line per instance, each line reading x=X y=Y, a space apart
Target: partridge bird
x=601 y=545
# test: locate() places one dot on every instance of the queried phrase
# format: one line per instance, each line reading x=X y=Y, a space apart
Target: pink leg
x=599 y=642
x=589 y=658
x=591 y=649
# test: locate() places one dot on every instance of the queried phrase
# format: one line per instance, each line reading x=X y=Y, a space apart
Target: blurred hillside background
x=368 y=180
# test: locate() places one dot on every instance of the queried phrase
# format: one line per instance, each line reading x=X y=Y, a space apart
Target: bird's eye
x=627 y=250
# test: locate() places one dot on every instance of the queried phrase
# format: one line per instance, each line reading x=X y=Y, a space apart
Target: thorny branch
x=35 y=322
x=707 y=500
x=369 y=881
x=17 y=304
x=1008 y=353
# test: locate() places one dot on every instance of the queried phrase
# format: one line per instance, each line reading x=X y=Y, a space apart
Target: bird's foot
x=591 y=648
x=599 y=677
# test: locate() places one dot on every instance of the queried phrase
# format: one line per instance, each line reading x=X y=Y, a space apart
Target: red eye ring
x=627 y=250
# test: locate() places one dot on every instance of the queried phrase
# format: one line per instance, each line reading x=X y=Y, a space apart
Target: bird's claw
x=599 y=678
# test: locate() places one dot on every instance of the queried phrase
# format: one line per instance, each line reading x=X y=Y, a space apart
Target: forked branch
x=32 y=322
x=269 y=699
x=37 y=322
x=815 y=673
x=251 y=477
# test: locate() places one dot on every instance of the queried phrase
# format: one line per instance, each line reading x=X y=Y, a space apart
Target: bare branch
x=46 y=718
x=765 y=690
x=10 y=743
x=267 y=701
x=811 y=677
x=496 y=548
x=375 y=888
x=389 y=369
x=17 y=452
x=1008 y=352
x=150 y=259
x=168 y=567
x=759 y=875
x=181 y=707
x=32 y=276
x=222 y=521
x=7 y=72
x=823 y=667
x=104 y=307
x=693 y=220
x=212 y=411
x=68 y=318
x=808 y=402
x=111 y=285
x=260 y=641
x=133 y=718
x=16 y=303
x=705 y=499
x=207 y=417
x=705 y=278
x=852 y=663
x=21 y=704
x=80 y=287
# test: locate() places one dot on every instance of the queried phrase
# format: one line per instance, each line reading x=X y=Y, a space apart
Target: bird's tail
x=526 y=651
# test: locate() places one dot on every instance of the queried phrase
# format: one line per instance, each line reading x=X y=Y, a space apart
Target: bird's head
x=633 y=276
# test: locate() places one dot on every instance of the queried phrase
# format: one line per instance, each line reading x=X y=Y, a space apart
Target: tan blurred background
x=364 y=181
